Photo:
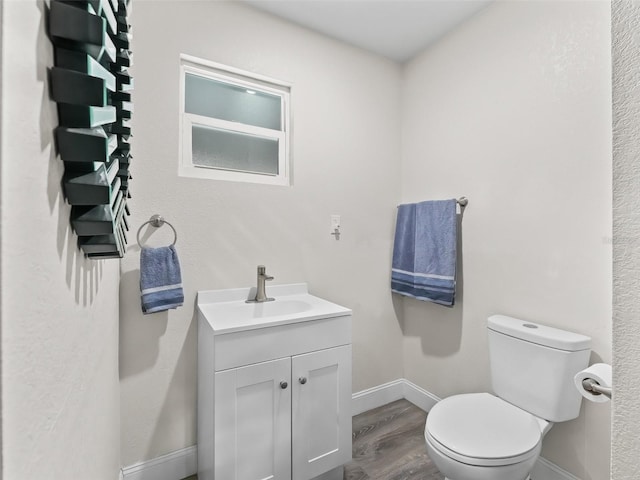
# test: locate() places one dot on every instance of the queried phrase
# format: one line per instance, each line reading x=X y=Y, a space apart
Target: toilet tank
x=532 y=366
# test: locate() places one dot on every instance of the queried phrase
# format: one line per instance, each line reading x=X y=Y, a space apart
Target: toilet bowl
x=481 y=437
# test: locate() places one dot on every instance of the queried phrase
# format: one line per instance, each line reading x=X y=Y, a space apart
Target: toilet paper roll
x=601 y=373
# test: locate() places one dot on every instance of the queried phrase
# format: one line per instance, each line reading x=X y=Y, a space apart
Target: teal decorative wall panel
x=92 y=86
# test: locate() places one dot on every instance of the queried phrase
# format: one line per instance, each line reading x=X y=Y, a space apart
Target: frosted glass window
x=235 y=124
x=215 y=99
x=216 y=148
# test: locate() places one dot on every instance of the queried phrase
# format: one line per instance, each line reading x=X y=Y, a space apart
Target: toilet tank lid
x=539 y=334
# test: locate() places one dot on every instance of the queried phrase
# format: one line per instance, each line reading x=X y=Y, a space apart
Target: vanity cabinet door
x=321 y=412
x=253 y=422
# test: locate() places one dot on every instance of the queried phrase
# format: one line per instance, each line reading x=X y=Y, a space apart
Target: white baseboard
x=378 y=396
x=545 y=470
x=183 y=463
x=418 y=395
x=172 y=466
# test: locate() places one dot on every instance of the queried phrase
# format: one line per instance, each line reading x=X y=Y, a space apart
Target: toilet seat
x=484 y=430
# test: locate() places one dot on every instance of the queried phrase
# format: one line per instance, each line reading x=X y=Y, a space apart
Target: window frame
x=251 y=81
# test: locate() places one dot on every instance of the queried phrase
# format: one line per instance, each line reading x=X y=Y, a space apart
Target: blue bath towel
x=160 y=279
x=424 y=251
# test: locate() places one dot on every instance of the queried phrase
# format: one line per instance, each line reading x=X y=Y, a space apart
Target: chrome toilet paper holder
x=591 y=386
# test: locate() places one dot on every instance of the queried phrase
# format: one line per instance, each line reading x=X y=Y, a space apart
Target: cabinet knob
x=283 y=385
x=302 y=380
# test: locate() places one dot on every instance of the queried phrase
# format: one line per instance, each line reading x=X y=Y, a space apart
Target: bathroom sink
x=239 y=311
x=227 y=310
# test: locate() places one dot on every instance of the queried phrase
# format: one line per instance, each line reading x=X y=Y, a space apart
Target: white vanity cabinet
x=274 y=391
x=287 y=417
x=252 y=426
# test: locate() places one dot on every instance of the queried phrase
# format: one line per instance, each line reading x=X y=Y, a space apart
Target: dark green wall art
x=91 y=84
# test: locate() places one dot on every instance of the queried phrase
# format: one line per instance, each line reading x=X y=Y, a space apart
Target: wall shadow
x=438 y=327
x=83 y=276
x=181 y=397
x=139 y=334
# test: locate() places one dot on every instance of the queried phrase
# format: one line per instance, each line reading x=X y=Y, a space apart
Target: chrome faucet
x=261 y=294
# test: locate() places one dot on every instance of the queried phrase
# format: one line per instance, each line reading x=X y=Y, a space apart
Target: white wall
x=1 y=82
x=546 y=255
x=60 y=405
x=346 y=161
x=626 y=231
x=513 y=110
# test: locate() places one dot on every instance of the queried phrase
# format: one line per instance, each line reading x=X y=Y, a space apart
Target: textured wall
x=1 y=82
x=60 y=405
x=345 y=153
x=626 y=235
x=513 y=110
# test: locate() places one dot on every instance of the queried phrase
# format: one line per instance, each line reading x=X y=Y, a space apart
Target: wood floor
x=388 y=444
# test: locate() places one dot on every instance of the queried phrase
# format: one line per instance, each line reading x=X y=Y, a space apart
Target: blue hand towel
x=424 y=251
x=160 y=279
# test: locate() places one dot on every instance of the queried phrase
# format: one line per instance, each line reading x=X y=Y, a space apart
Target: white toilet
x=480 y=436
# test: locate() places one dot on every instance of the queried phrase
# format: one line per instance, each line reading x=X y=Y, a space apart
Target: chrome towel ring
x=157 y=221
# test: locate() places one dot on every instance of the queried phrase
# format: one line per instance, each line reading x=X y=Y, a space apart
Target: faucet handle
x=262 y=272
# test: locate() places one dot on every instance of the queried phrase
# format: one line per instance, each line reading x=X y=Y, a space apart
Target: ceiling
x=396 y=29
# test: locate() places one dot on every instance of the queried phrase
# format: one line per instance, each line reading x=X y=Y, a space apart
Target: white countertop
x=227 y=312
